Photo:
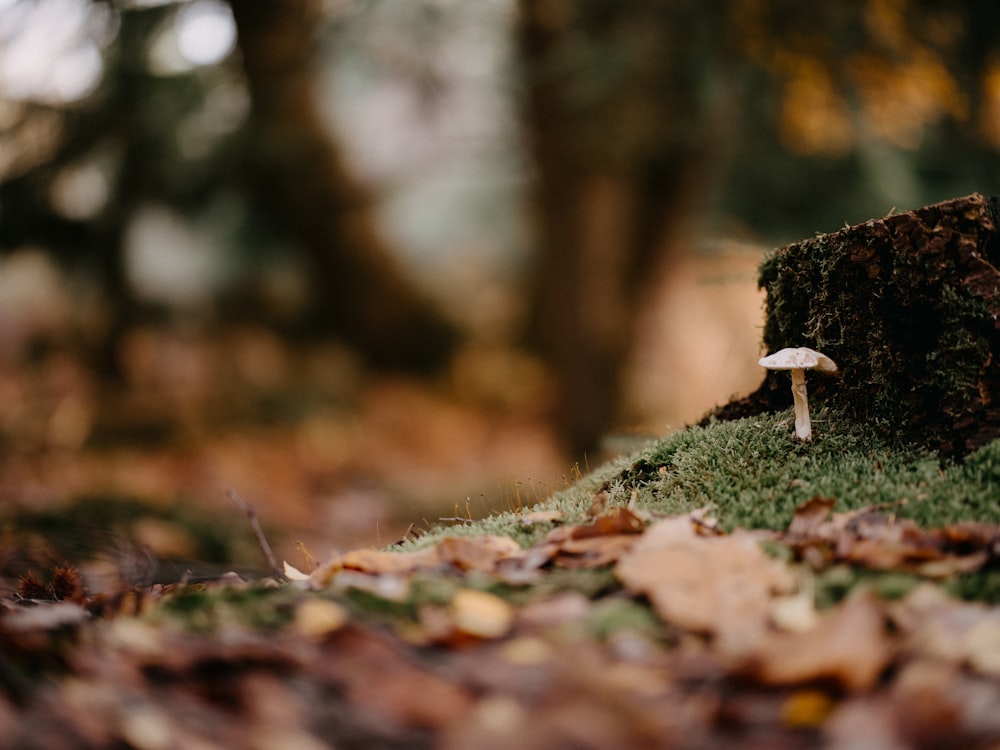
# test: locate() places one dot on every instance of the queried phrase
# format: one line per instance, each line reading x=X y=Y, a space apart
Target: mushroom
x=798 y=360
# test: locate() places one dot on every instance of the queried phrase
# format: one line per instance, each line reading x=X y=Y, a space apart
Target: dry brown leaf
x=928 y=694
x=482 y=553
x=594 y=551
x=618 y=521
x=882 y=541
x=970 y=534
x=810 y=516
x=381 y=561
x=947 y=630
x=849 y=646
x=526 y=567
x=913 y=557
x=719 y=585
x=594 y=544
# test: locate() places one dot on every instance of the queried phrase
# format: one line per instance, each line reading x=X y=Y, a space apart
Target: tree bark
x=299 y=179
x=909 y=308
x=612 y=183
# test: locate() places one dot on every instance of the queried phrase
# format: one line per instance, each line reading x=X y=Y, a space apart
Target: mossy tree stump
x=909 y=308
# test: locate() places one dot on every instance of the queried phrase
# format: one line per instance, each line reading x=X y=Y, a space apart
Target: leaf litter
x=689 y=637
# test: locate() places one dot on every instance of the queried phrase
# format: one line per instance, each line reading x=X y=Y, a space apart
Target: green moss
x=982 y=586
x=208 y=609
x=614 y=615
x=753 y=473
x=381 y=608
x=835 y=583
x=906 y=306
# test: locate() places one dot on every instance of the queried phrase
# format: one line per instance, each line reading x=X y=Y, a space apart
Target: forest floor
x=723 y=586
x=446 y=578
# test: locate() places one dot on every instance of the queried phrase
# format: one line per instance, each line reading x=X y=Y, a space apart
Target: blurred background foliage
x=426 y=182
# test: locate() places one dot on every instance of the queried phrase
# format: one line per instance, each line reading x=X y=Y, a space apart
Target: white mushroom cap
x=800 y=358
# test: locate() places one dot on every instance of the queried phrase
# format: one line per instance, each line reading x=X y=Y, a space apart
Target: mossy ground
x=753 y=473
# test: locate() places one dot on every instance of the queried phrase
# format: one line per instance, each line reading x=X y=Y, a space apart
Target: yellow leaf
x=805 y=709
x=480 y=614
x=318 y=618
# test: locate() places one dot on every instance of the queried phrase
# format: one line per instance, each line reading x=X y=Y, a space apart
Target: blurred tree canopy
x=635 y=125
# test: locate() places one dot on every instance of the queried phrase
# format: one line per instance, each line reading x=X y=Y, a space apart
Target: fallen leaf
x=594 y=544
x=383 y=561
x=864 y=722
x=594 y=551
x=809 y=517
x=806 y=708
x=926 y=693
x=941 y=628
x=525 y=568
x=718 y=585
x=849 y=646
x=882 y=541
x=294 y=574
x=147 y=728
x=618 y=521
x=482 y=553
x=480 y=614
x=527 y=651
x=318 y=618
x=796 y=613
x=983 y=647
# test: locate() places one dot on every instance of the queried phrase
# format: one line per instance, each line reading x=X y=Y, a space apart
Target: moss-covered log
x=909 y=308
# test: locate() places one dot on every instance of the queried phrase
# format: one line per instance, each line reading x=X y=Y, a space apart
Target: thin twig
x=258 y=532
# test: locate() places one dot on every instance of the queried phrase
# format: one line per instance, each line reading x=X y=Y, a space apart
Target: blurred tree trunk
x=300 y=180
x=616 y=171
x=97 y=246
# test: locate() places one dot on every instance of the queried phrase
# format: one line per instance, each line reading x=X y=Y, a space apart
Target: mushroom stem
x=803 y=427
x=797 y=361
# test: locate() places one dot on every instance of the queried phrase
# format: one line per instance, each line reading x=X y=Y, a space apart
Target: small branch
x=251 y=515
